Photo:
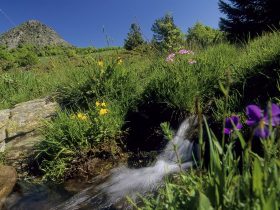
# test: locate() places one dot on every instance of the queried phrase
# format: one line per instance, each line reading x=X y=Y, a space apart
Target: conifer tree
x=134 y=37
x=248 y=18
x=166 y=34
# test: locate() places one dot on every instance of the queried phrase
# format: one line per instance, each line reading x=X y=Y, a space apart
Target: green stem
x=177 y=157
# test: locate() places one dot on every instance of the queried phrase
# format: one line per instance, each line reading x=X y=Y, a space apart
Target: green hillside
x=99 y=91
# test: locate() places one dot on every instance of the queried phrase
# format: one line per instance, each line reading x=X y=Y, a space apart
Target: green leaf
x=240 y=137
x=270 y=203
x=215 y=151
x=217 y=146
x=203 y=202
x=257 y=177
x=165 y=126
x=223 y=89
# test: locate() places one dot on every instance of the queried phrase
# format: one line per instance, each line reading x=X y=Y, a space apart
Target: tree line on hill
x=167 y=36
x=245 y=19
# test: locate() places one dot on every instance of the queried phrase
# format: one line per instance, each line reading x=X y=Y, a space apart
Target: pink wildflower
x=184 y=51
x=170 y=57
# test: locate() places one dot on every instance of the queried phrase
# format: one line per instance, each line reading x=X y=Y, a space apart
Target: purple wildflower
x=256 y=119
x=255 y=115
x=262 y=130
x=260 y=120
x=273 y=115
x=170 y=57
x=232 y=123
x=184 y=51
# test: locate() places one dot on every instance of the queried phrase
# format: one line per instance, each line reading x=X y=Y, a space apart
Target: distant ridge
x=31 y=32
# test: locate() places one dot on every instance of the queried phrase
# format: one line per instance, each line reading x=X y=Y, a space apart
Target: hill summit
x=31 y=32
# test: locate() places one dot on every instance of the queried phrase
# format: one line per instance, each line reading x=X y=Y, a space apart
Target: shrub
x=7 y=60
x=71 y=53
x=203 y=36
x=72 y=133
x=27 y=60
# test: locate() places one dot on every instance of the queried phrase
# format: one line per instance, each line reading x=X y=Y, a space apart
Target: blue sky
x=81 y=22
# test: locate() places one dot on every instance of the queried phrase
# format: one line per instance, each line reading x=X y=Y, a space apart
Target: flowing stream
x=123 y=181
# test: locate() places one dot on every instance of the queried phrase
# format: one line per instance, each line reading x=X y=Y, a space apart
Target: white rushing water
x=125 y=181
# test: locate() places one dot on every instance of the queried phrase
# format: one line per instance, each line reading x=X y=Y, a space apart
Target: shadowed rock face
x=19 y=127
x=31 y=32
x=8 y=177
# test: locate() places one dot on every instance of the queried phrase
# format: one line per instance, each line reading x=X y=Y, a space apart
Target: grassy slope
x=42 y=79
x=176 y=83
x=78 y=82
x=227 y=184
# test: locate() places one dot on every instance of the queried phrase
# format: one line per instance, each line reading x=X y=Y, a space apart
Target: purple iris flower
x=232 y=123
x=260 y=120
x=273 y=115
x=255 y=115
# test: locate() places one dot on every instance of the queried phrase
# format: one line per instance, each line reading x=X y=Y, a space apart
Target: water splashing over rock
x=125 y=181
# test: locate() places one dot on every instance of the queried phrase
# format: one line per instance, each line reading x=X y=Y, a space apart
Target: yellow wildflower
x=103 y=104
x=81 y=116
x=100 y=63
x=97 y=103
x=119 y=60
x=103 y=111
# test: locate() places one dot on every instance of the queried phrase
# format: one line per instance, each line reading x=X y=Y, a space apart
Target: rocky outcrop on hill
x=20 y=127
x=31 y=32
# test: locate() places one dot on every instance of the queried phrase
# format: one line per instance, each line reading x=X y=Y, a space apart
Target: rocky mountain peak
x=31 y=32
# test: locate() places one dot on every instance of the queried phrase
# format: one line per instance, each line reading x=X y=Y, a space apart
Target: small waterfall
x=124 y=181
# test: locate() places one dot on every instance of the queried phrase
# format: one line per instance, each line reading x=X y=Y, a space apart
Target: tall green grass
x=54 y=71
x=232 y=181
x=236 y=176
x=77 y=81
x=74 y=133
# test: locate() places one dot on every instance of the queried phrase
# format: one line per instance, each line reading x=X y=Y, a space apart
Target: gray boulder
x=20 y=127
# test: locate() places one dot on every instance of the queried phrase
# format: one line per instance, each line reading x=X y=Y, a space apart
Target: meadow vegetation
x=30 y=72
x=97 y=88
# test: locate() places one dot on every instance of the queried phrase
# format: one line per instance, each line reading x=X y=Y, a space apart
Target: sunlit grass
x=77 y=80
